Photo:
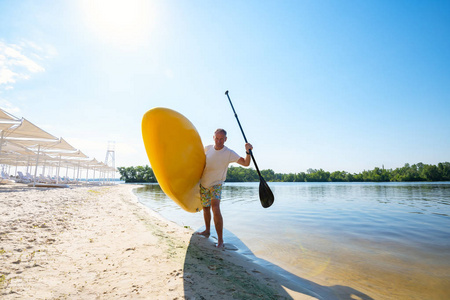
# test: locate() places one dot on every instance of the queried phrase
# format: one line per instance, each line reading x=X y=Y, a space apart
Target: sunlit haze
x=121 y=23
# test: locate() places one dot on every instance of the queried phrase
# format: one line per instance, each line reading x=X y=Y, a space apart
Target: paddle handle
x=245 y=138
x=235 y=114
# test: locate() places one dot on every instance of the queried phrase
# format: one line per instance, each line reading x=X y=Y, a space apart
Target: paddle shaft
x=245 y=139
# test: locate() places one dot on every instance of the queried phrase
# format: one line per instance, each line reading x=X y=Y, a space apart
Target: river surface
x=384 y=240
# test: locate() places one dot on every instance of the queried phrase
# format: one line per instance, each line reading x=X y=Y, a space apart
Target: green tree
x=431 y=173
x=444 y=170
x=317 y=176
x=338 y=176
x=240 y=174
x=300 y=177
x=137 y=174
x=288 y=177
x=268 y=175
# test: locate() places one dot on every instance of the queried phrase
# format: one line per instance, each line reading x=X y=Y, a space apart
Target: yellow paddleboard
x=176 y=155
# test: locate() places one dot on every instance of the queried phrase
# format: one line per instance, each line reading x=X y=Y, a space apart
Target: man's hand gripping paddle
x=265 y=194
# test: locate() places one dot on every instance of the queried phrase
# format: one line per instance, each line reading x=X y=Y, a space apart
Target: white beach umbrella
x=22 y=140
x=4 y=115
x=6 y=122
x=77 y=158
x=74 y=156
x=29 y=135
x=10 y=147
x=17 y=155
x=28 y=130
x=60 y=149
x=93 y=164
x=88 y=165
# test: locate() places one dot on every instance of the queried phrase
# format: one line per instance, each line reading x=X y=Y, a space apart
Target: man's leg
x=207 y=218
x=218 y=221
x=205 y=198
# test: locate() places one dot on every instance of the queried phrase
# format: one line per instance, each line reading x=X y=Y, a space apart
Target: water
x=385 y=240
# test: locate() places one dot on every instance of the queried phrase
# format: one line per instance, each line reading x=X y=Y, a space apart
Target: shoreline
x=101 y=242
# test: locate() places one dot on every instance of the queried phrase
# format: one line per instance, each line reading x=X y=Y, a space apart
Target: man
x=218 y=157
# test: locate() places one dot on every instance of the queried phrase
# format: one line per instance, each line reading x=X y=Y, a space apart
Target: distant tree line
x=416 y=172
x=137 y=174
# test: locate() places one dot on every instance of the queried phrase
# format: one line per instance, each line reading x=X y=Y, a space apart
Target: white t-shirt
x=217 y=162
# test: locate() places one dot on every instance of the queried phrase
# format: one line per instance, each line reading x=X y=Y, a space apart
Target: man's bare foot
x=205 y=233
x=220 y=245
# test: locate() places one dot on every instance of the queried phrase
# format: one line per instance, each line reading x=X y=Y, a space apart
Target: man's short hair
x=220 y=130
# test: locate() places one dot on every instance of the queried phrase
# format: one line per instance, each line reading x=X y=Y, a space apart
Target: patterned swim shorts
x=206 y=194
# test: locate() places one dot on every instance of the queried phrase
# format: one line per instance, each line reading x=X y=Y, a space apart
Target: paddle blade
x=265 y=194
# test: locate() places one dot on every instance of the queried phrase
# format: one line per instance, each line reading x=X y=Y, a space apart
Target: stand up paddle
x=265 y=194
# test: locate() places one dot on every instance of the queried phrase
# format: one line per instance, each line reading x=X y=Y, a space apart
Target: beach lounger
x=29 y=177
x=43 y=179
x=6 y=178
x=22 y=178
x=52 y=180
x=67 y=180
x=64 y=179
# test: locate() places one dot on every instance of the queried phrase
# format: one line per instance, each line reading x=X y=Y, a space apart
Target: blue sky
x=337 y=85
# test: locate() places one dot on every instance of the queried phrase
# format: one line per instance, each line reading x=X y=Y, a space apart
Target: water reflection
x=201 y=255
x=236 y=194
x=338 y=232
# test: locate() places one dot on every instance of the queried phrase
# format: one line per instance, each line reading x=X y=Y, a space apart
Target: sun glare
x=124 y=23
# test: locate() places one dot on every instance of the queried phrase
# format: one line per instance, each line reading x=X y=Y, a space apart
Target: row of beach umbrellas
x=25 y=145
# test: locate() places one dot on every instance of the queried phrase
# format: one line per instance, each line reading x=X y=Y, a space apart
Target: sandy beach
x=100 y=243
